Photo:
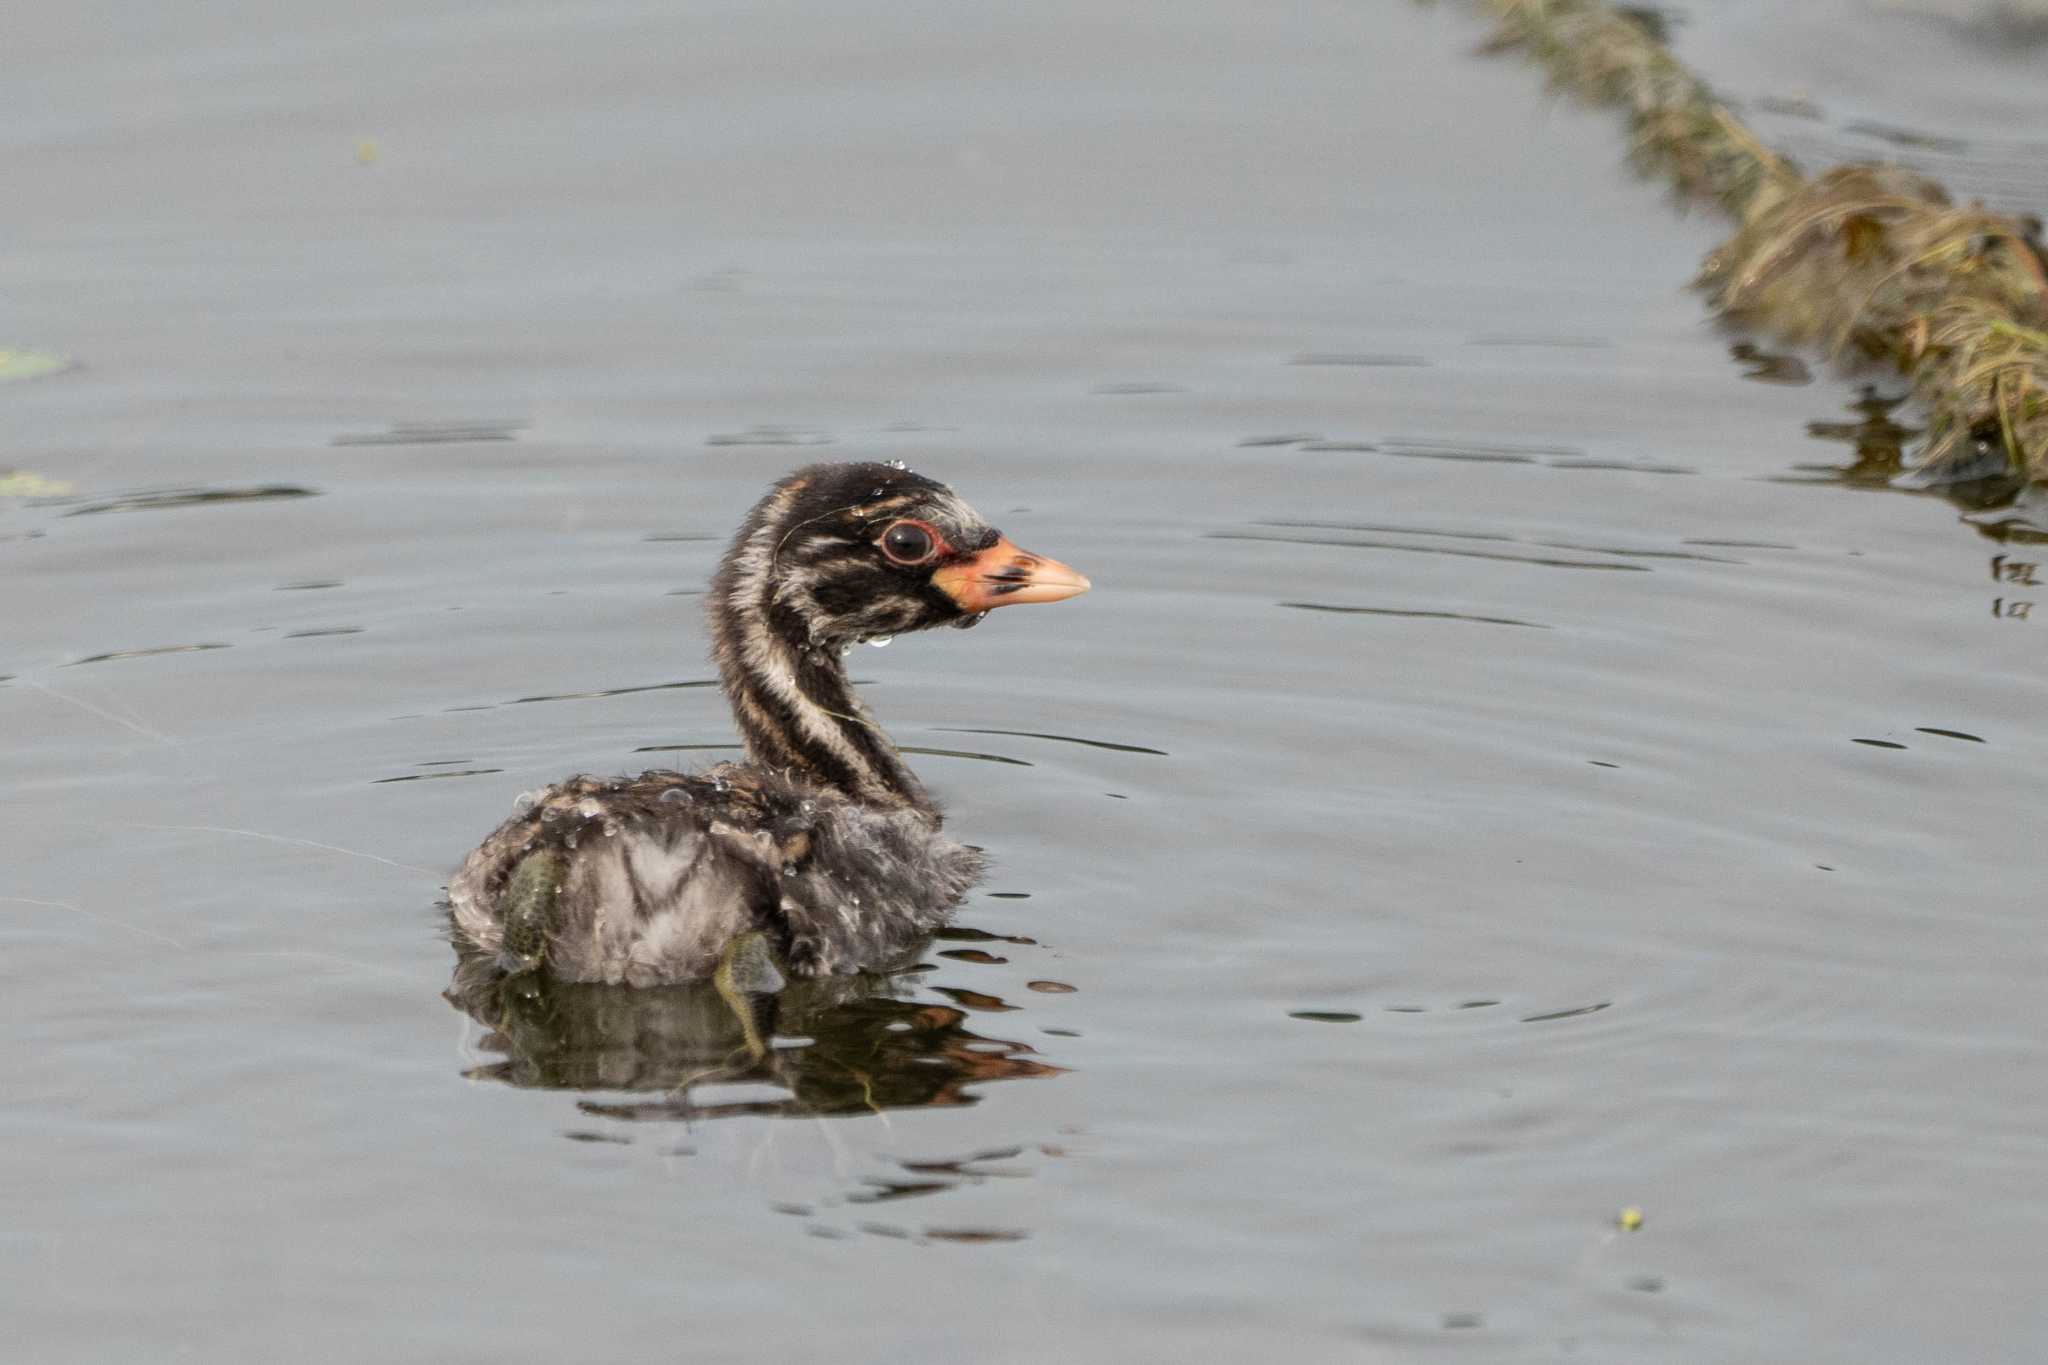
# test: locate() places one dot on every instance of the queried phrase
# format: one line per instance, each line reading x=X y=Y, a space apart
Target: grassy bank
x=1870 y=263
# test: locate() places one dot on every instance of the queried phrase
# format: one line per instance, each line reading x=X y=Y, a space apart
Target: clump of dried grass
x=1874 y=263
x=1870 y=262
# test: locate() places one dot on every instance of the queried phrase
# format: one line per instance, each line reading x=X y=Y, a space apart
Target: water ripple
x=1543 y=561
x=1062 y=739
x=161 y=499
x=1431 y=615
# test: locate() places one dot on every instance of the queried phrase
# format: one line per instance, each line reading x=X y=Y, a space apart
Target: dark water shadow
x=1566 y=458
x=114 y=654
x=428 y=777
x=1879 y=444
x=770 y=435
x=435 y=433
x=157 y=500
x=1062 y=739
x=1769 y=367
x=1135 y=389
x=834 y=1046
x=1359 y=359
x=1544 y=561
x=1416 y=614
x=601 y=692
x=2022 y=521
x=1998 y=504
x=1542 y=339
x=974 y=754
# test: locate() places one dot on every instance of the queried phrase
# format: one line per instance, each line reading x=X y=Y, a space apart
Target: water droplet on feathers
x=881 y=641
x=674 y=796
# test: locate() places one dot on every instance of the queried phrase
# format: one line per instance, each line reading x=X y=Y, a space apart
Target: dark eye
x=909 y=542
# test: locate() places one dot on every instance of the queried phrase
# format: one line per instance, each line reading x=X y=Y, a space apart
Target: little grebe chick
x=822 y=842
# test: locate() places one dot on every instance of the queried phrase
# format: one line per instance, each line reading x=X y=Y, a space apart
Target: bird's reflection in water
x=833 y=1045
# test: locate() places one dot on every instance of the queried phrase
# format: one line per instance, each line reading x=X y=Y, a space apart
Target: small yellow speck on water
x=366 y=152
x=16 y=363
x=1630 y=1218
x=16 y=483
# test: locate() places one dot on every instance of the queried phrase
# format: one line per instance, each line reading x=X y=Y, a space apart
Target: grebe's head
x=847 y=552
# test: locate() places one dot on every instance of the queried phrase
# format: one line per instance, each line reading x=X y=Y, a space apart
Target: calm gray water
x=1952 y=87
x=1483 y=663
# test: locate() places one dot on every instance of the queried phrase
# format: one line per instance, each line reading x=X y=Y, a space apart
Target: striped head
x=838 y=553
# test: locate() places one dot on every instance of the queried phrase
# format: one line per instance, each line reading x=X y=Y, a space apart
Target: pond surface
x=1506 y=773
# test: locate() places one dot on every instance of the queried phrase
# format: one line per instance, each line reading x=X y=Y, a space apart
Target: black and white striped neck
x=790 y=696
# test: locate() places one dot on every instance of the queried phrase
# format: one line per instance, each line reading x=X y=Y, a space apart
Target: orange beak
x=1003 y=576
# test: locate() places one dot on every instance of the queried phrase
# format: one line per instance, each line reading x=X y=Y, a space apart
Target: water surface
x=1504 y=775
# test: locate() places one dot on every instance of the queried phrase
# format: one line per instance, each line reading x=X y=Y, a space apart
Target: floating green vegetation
x=19 y=483
x=16 y=363
x=1868 y=262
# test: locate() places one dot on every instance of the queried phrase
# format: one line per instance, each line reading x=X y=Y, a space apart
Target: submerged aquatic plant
x=1870 y=262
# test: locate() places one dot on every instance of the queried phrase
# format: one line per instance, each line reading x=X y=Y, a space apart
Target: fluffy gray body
x=661 y=871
